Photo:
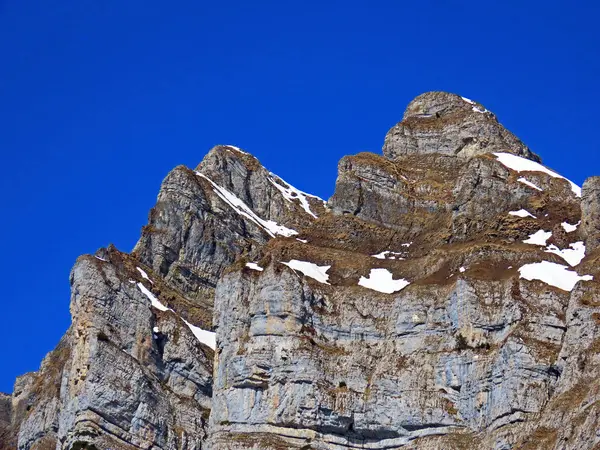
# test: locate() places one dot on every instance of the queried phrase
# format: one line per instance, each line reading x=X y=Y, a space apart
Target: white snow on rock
x=101 y=259
x=519 y=164
x=309 y=269
x=270 y=227
x=144 y=275
x=570 y=228
x=529 y=183
x=155 y=330
x=388 y=255
x=206 y=337
x=254 y=266
x=475 y=107
x=290 y=193
x=304 y=241
x=572 y=255
x=522 y=213
x=462 y=270
x=538 y=238
x=237 y=149
x=553 y=274
x=381 y=280
x=407 y=244
x=153 y=300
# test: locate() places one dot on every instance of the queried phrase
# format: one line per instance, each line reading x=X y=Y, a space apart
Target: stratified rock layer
x=590 y=212
x=399 y=315
x=439 y=122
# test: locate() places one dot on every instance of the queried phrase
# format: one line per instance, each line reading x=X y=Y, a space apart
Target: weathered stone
x=590 y=212
x=440 y=122
x=193 y=235
x=467 y=355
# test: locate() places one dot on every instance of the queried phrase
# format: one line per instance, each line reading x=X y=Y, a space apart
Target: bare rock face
x=6 y=421
x=131 y=371
x=590 y=212
x=445 y=297
x=444 y=123
x=194 y=233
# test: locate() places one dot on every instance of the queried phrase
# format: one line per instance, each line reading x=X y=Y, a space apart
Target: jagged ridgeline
x=445 y=297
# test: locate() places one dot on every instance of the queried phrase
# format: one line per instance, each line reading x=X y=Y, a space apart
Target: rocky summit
x=446 y=296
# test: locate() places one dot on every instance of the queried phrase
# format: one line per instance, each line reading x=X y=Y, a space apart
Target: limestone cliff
x=445 y=297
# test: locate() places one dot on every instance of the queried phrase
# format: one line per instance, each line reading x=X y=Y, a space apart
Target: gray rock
x=439 y=122
x=590 y=212
x=467 y=355
x=306 y=363
x=193 y=235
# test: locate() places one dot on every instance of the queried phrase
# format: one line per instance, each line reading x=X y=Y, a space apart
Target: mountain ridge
x=429 y=303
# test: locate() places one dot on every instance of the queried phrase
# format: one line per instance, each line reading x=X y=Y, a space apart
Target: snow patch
x=310 y=270
x=205 y=337
x=101 y=259
x=570 y=228
x=475 y=107
x=522 y=213
x=519 y=164
x=538 y=238
x=254 y=266
x=572 y=255
x=462 y=270
x=388 y=255
x=144 y=275
x=381 y=280
x=237 y=149
x=155 y=330
x=304 y=241
x=529 y=183
x=270 y=227
x=290 y=193
x=208 y=338
x=553 y=274
x=153 y=300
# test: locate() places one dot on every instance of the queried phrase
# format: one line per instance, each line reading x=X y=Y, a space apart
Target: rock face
x=439 y=122
x=442 y=299
x=590 y=212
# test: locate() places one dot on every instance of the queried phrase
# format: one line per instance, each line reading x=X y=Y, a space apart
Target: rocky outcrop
x=6 y=435
x=443 y=123
x=315 y=365
x=590 y=212
x=443 y=298
x=193 y=234
x=131 y=372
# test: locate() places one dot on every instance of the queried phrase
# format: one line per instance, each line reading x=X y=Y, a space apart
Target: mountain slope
x=445 y=297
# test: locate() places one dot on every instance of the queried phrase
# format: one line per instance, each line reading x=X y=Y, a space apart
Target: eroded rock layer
x=445 y=297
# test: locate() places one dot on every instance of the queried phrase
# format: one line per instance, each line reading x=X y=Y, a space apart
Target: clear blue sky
x=99 y=99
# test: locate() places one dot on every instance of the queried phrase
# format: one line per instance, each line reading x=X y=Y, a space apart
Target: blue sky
x=99 y=99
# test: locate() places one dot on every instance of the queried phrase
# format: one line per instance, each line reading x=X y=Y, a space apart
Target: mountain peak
x=444 y=297
x=440 y=103
x=445 y=123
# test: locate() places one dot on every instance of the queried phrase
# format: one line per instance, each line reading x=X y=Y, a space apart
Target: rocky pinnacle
x=445 y=297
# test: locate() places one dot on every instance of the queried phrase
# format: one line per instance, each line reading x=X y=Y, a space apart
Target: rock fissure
x=468 y=355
